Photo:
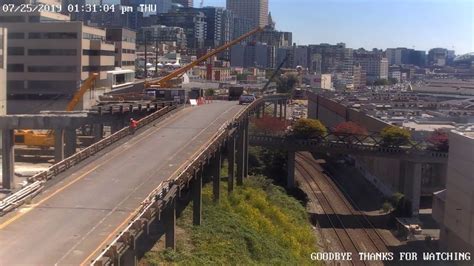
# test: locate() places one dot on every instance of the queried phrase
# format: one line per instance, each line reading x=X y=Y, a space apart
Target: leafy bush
x=395 y=136
x=308 y=128
x=387 y=207
x=350 y=128
x=439 y=140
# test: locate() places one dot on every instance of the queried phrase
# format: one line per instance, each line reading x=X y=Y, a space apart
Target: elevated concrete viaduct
x=65 y=126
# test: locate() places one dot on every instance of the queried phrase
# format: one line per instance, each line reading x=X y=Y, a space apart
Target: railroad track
x=355 y=232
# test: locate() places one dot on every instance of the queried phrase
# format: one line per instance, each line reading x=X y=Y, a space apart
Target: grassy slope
x=257 y=224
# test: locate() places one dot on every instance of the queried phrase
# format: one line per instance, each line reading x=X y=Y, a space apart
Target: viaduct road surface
x=71 y=220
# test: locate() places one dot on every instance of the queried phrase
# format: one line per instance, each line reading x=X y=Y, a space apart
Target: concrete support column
x=246 y=148
x=8 y=159
x=98 y=130
x=284 y=110
x=197 y=197
x=275 y=109
x=281 y=109
x=115 y=126
x=231 y=162
x=240 y=157
x=71 y=142
x=58 y=145
x=169 y=223
x=413 y=176
x=216 y=174
x=129 y=258
x=290 y=182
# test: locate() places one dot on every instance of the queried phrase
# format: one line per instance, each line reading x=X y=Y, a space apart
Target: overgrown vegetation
x=308 y=128
x=257 y=224
x=394 y=136
x=268 y=162
x=286 y=82
x=439 y=141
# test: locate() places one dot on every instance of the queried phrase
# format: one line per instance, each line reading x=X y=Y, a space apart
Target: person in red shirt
x=133 y=125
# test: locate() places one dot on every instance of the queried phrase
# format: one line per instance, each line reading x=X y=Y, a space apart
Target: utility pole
x=156 y=56
x=146 y=59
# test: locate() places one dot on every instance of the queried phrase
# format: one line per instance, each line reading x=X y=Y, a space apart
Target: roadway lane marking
x=33 y=206
x=84 y=262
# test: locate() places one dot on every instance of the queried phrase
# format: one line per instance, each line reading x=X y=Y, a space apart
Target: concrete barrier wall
x=384 y=173
x=372 y=124
x=332 y=113
x=329 y=118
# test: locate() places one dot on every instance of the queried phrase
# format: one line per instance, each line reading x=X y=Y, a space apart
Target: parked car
x=246 y=98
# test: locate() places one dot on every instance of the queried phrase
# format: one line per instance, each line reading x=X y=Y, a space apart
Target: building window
x=34 y=19
x=16 y=35
x=128 y=63
x=12 y=19
x=128 y=51
x=16 y=50
x=15 y=84
x=98 y=53
x=15 y=68
x=97 y=68
x=89 y=36
x=52 y=69
x=52 y=52
x=52 y=35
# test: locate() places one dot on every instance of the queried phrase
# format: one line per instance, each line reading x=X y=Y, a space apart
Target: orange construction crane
x=165 y=82
x=45 y=140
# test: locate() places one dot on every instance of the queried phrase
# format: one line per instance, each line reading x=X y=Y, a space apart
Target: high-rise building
x=438 y=57
x=227 y=32
x=300 y=57
x=163 y=34
x=192 y=20
x=373 y=63
x=358 y=77
x=254 y=10
x=47 y=61
x=125 y=46
x=405 y=56
x=184 y=3
x=275 y=38
x=214 y=25
x=241 y=26
x=327 y=59
x=3 y=72
x=252 y=55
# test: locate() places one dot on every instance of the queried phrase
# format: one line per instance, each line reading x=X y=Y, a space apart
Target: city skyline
x=424 y=17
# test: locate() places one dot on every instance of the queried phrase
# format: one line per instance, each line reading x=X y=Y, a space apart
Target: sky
x=418 y=24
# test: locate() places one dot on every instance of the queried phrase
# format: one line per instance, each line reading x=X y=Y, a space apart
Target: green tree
x=392 y=81
x=286 y=83
x=381 y=82
x=308 y=128
x=395 y=136
x=210 y=92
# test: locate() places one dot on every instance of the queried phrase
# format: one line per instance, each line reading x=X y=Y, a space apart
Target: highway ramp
x=72 y=219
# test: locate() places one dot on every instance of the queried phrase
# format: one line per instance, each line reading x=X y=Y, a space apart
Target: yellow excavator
x=45 y=140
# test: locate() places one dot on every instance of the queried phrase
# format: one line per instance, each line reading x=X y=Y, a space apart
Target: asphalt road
x=71 y=220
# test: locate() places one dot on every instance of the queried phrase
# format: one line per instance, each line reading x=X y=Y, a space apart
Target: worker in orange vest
x=133 y=125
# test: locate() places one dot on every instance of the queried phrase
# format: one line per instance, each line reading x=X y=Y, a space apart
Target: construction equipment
x=45 y=140
x=275 y=73
x=167 y=81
